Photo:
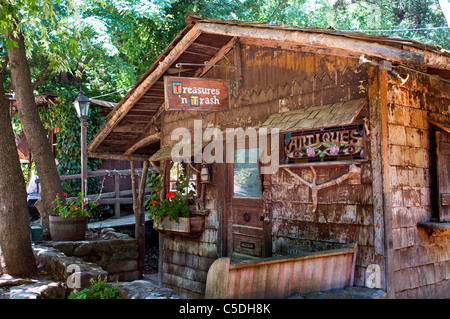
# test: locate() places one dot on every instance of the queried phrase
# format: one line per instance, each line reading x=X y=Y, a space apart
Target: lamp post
x=82 y=104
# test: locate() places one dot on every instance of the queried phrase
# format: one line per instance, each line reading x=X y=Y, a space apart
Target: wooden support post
x=83 y=158
x=379 y=153
x=117 y=196
x=139 y=214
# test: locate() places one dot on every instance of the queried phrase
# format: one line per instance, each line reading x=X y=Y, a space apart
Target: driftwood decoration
x=353 y=170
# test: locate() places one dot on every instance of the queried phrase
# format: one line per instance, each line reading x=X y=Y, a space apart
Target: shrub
x=100 y=289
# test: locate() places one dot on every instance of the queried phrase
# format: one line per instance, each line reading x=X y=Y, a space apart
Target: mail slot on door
x=248 y=245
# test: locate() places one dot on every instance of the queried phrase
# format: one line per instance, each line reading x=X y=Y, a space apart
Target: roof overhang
x=316 y=117
x=207 y=41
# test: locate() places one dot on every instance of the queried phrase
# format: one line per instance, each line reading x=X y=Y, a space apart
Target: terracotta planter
x=62 y=229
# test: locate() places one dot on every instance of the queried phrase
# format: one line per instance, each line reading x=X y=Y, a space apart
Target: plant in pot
x=170 y=213
x=70 y=223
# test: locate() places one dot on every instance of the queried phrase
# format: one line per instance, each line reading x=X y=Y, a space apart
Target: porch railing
x=118 y=196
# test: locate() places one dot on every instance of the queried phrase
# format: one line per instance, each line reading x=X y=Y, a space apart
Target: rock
x=110 y=233
x=82 y=250
x=106 y=230
x=122 y=266
x=102 y=246
x=142 y=289
x=6 y=281
x=65 y=246
x=39 y=290
x=73 y=271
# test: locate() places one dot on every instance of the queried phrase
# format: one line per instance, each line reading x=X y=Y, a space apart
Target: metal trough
x=281 y=277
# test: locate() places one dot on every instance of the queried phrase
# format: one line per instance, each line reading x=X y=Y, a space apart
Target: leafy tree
x=16 y=256
x=33 y=128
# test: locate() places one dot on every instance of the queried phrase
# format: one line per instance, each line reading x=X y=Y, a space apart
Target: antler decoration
x=353 y=170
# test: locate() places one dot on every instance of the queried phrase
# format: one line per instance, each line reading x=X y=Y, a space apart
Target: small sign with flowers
x=339 y=143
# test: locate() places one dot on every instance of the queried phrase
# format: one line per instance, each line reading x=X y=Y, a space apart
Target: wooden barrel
x=62 y=229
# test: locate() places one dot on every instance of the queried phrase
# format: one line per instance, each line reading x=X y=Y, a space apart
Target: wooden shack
x=363 y=126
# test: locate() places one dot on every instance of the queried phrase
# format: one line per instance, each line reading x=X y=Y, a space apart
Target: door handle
x=247 y=216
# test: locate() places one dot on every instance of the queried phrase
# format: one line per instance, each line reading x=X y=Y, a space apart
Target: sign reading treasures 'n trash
x=193 y=94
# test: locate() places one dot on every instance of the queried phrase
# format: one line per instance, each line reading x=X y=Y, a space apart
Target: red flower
x=65 y=194
x=170 y=195
x=57 y=194
x=84 y=203
x=154 y=202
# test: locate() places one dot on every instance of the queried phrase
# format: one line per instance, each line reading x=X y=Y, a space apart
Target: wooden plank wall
x=272 y=81
x=421 y=263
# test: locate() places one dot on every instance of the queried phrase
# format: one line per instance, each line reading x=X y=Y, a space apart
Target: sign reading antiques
x=342 y=143
x=195 y=94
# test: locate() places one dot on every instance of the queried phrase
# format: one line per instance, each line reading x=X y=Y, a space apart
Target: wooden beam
x=143 y=142
x=103 y=172
x=118 y=156
x=325 y=41
x=118 y=113
x=298 y=48
x=216 y=58
x=150 y=123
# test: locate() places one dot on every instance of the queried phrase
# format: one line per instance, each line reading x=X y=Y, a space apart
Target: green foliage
x=73 y=208
x=100 y=289
x=63 y=116
x=174 y=205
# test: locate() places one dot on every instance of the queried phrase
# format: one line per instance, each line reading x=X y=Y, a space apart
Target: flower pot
x=184 y=225
x=62 y=229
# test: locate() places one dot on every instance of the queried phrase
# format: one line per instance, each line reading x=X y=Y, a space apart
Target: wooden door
x=246 y=227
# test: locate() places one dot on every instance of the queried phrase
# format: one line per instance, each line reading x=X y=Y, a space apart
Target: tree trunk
x=33 y=129
x=16 y=255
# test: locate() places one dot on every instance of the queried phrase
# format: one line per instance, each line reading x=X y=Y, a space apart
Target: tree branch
x=43 y=75
x=276 y=9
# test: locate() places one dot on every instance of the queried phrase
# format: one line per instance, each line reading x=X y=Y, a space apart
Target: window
x=247 y=181
x=177 y=170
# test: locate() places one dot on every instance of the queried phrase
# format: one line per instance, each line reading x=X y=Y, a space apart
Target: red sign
x=193 y=94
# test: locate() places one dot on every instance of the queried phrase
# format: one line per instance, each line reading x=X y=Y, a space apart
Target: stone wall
x=118 y=257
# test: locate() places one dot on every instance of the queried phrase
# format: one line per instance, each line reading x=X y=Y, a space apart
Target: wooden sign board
x=194 y=94
x=341 y=143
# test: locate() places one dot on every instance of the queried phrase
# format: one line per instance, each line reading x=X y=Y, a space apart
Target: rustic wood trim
x=443 y=174
x=150 y=123
x=138 y=200
x=383 y=87
x=155 y=167
x=326 y=164
x=216 y=58
x=118 y=156
x=145 y=141
x=376 y=164
x=387 y=196
x=297 y=47
x=439 y=126
x=352 y=171
x=238 y=62
x=117 y=114
x=382 y=213
x=320 y=40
